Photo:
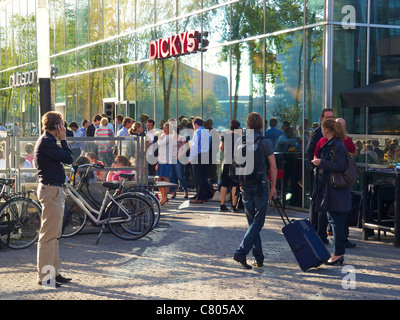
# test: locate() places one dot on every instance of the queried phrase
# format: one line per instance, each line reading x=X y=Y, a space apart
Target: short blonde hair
x=104 y=121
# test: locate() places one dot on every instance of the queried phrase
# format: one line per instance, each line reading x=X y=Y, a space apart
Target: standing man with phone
x=48 y=160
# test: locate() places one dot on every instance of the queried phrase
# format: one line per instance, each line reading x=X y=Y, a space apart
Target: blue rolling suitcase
x=307 y=246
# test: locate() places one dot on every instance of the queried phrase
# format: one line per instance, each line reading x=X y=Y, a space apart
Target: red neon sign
x=183 y=43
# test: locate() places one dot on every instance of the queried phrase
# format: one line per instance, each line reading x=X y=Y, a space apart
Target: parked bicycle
x=86 y=189
x=19 y=217
x=128 y=216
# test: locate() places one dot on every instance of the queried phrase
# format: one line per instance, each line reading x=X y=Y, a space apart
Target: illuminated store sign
x=183 y=43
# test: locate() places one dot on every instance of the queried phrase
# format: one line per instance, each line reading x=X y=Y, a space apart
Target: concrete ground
x=189 y=257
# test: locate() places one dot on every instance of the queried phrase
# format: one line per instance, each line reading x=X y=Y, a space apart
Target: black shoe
x=243 y=262
x=332 y=263
x=223 y=208
x=350 y=245
x=61 y=279
x=257 y=264
x=234 y=209
x=48 y=284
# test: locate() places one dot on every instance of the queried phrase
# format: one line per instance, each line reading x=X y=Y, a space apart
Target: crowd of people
x=185 y=152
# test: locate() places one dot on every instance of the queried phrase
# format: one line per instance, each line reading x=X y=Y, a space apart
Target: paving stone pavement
x=189 y=257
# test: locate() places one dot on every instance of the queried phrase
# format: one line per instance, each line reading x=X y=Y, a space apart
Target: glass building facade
x=287 y=59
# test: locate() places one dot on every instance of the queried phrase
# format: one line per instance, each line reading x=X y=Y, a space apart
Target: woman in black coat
x=335 y=202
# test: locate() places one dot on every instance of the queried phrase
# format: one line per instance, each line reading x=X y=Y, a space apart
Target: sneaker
x=223 y=208
x=234 y=209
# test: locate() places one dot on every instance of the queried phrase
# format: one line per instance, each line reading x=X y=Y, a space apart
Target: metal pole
x=43 y=54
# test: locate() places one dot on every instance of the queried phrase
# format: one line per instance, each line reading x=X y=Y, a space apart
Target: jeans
x=255 y=200
x=177 y=174
x=337 y=222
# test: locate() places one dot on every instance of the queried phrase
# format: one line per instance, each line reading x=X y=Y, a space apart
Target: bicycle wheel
x=74 y=219
x=133 y=224
x=152 y=198
x=22 y=218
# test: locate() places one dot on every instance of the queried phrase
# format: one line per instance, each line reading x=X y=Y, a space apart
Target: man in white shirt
x=199 y=158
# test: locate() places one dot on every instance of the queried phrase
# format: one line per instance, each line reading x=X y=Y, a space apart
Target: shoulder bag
x=347 y=178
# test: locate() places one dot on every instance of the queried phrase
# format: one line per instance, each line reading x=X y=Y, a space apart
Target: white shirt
x=200 y=142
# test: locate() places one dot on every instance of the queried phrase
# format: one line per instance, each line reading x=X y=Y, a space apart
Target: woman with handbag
x=336 y=202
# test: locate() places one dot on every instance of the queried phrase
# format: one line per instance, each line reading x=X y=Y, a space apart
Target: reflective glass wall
x=286 y=59
x=365 y=51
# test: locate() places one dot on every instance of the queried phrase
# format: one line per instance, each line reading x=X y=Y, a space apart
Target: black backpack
x=237 y=171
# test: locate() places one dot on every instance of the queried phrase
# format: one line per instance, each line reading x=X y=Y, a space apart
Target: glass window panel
x=95 y=20
x=144 y=13
x=284 y=14
x=82 y=110
x=127 y=49
x=109 y=77
x=384 y=120
x=9 y=36
x=70 y=101
x=216 y=21
x=70 y=62
x=32 y=49
x=59 y=31
x=385 y=12
x=145 y=90
x=348 y=11
x=314 y=11
x=110 y=18
x=23 y=39
x=313 y=76
x=166 y=88
x=95 y=94
x=60 y=90
x=32 y=109
x=165 y=10
x=384 y=54
x=284 y=59
x=60 y=65
x=70 y=24
x=188 y=6
x=142 y=43
x=96 y=56
x=215 y=86
x=130 y=84
x=349 y=61
x=189 y=89
x=83 y=59
x=3 y=39
x=110 y=54
x=210 y=3
x=126 y=16
x=82 y=22
x=247 y=19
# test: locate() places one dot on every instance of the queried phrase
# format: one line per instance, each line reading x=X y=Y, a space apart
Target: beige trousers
x=52 y=200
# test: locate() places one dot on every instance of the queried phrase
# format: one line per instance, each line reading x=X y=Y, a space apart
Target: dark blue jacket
x=49 y=158
x=326 y=197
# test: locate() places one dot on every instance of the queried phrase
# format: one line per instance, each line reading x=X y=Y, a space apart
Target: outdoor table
x=368 y=177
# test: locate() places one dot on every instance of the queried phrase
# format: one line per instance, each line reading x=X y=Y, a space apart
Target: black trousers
x=200 y=176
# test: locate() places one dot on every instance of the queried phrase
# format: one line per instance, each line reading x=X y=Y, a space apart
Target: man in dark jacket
x=48 y=158
x=316 y=135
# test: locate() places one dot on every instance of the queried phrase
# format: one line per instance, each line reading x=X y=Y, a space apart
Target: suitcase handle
x=281 y=211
